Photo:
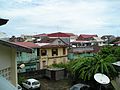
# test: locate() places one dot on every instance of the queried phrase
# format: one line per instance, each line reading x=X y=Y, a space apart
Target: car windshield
x=75 y=88
x=35 y=83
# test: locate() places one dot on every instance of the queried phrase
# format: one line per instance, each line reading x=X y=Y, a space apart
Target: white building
x=8 y=65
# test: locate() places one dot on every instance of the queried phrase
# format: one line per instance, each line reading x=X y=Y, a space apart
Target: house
x=84 y=46
x=67 y=37
x=8 y=64
x=30 y=60
x=64 y=36
x=108 y=39
x=86 y=37
x=117 y=43
x=16 y=39
x=38 y=37
x=28 y=38
x=52 y=51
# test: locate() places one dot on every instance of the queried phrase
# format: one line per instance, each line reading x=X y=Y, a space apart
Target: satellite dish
x=101 y=78
x=22 y=66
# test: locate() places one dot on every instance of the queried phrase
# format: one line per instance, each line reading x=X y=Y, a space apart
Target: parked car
x=80 y=86
x=31 y=84
x=19 y=87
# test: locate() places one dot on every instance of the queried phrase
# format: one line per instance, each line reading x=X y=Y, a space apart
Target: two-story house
x=52 y=51
x=30 y=60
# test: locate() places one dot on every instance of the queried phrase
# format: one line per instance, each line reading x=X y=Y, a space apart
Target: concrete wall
x=8 y=64
x=49 y=59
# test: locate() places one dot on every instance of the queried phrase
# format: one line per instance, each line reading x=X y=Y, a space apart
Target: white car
x=19 y=87
x=31 y=84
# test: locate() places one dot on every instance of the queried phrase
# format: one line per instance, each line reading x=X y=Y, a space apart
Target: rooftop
x=16 y=46
x=58 y=34
x=27 y=44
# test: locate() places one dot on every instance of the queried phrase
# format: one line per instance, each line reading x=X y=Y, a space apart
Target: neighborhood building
x=30 y=60
x=8 y=63
x=84 y=46
x=52 y=51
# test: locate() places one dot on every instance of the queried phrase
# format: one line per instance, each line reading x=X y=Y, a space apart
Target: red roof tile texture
x=87 y=36
x=27 y=44
x=59 y=34
x=40 y=35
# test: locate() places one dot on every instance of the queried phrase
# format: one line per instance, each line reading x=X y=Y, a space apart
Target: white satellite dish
x=101 y=78
x=22 y=66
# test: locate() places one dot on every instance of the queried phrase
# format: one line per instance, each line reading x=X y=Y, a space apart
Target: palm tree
x=85 y=68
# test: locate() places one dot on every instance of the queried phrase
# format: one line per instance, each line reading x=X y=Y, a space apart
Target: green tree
x=85 y=68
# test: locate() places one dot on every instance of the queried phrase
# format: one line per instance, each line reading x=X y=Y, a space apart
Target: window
x=59 y=42
x=19 y=54
x=44 y=63
x=35 y=83
x=29 y=83
x=5 y=73
x=43 y=52
x=38 y=52
x=54 y=52
x=64 y=51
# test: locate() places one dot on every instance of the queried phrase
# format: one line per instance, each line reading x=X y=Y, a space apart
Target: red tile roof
x=27 y=44
x=59 y=34
x=71 y=34
x=39 y=35
x=118 y=42
x=86 y=36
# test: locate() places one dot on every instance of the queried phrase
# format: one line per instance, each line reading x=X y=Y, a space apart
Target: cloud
x=69 y=15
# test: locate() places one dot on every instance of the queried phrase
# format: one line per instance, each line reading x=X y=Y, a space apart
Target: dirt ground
x=47 y=84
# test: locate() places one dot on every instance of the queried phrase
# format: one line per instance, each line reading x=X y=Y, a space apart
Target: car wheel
x=30 y=88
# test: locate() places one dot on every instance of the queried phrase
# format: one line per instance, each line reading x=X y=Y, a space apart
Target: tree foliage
x=86 y=68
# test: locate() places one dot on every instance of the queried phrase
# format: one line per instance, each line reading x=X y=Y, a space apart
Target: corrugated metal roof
x=27 y=44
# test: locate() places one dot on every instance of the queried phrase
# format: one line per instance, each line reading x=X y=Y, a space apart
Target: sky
x=101 y=17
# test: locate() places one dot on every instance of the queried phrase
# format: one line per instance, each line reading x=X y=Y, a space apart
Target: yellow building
x=54 y=52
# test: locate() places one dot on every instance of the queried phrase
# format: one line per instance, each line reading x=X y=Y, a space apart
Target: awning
x=6 y=85
x=3 y=21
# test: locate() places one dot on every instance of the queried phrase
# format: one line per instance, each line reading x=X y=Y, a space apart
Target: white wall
x=8 y=60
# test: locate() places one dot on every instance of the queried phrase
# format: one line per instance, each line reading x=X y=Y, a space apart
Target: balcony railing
x=81 y=49
x=29 y=59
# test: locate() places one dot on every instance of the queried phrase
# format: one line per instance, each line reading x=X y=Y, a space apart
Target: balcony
x=81 y=49
x=27 y=60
